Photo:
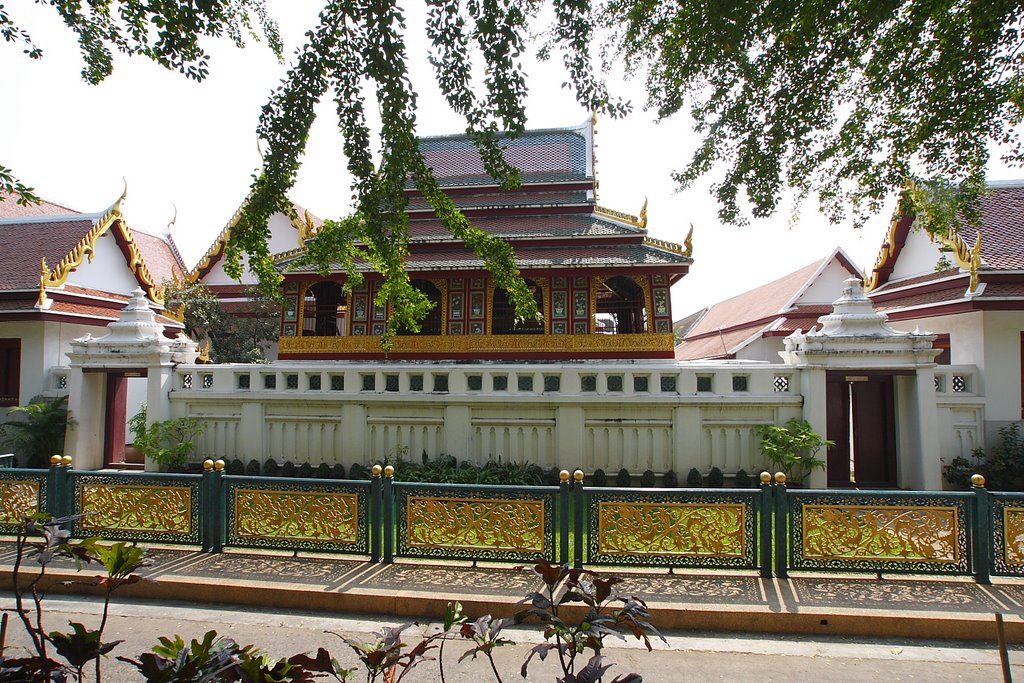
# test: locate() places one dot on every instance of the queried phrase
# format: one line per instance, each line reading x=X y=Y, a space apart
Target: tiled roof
x=511 y=198
x=161 y=260
x=23 y=244
x=1002 y=234
x=9 y=208
x=510 y=227
x=611 y=255
x=922 y=299
x=756 y=304
x=716 y=345
x=1003 y=289
x=541 y=156
x=917 y=280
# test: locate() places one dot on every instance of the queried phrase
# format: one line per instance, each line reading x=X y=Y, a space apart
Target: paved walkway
x=811 y=605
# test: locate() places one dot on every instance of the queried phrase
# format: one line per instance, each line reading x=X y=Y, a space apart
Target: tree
x=237 y=337
x=849 y=101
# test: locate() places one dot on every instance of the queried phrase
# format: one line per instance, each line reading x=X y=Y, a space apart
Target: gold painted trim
x=595 y=283
x=86 y=248
x=88 y=522
x=968 y=258
x=618 y=215
x=353 y=498
x=603 y=549
x=924 y=508
x=491 y=286
x=888 y=249
x=666 y=245
x=442 y=286
x=645 y=285
x=688 y=243
x=642 y=223
x=538 y=506
x=465 y=344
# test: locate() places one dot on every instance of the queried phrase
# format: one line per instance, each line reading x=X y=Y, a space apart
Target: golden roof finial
x=975 y=262
x=42 y=281
x=642 y=223
x=688 y=243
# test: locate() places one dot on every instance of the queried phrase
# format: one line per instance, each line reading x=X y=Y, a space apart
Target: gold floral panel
x=296 y=515
x=1013 y=535
x=17 y=498
x=888 y=533
x=672 y=529
x=476 y=524
x=114 y=507
x=532 y=343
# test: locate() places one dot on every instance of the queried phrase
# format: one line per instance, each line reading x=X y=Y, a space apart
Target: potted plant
x=793 y=449
x=168 y=443
x=41 y=433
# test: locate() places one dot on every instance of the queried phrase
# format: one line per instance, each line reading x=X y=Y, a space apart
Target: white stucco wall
x=107 y=271
x=918 y=257
x=827 y=287
x=283 y=237
x=1002 y=357
x=765 y=349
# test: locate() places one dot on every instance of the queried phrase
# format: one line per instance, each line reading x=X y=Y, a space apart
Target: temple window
x=621 y=307
x=324 y=310
x=10 y=371
x=431 y=324
x=504 y=321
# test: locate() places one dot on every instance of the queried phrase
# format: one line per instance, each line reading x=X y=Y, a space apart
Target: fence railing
x=772 y=529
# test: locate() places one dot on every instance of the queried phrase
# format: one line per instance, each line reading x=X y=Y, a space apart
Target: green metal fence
x=773 y=529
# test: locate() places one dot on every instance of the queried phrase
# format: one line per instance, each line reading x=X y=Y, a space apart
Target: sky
x=187 y=152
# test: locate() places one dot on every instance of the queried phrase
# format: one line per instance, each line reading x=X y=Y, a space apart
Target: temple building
x=600 y=282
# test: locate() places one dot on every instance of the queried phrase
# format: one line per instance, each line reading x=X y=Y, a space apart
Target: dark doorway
x=114 y=419
x=861 y=418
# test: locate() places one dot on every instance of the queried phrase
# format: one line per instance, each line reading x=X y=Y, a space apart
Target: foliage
x=793 y=448
x=323 y=471
x=252 y=468
x=271 y=468
x=599 y=478
x=167 y=442
x=288 y=469
x=623 y=478
x=234 y=337
x=235 y=466
x=647 y=479
x=903 y=92
x=305 y=470
x=81 y=645
x=716 y=479
x=741 y=479
x=40 y=433
x=670 y=480
x=358 y=471
x=564 y=586
x=694 y=479
x=445 y=469
x=1003 y=468
x=338 y=471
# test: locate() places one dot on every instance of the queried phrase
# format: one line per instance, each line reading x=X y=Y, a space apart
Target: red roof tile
x=511 y=227
x=1002 y=233
x=10 y=208
x=161 y=260
x=716 y=345
x=22 y=245
x=912 y=299
x=1001 y=289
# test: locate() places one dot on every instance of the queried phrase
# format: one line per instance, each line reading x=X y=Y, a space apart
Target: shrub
x=599 y=478
x=623 y=478
x=694 y=478
x=271 y=468
x=338 y=471
x=716 y=479
x=305 y=470
x=534 y=475
x=288 y=470
x=41 y=433
x=647 y=479
x=552 y=477
x=235 y=466
x=358 y=471
x=793 y=448
x=1003 y=469
x=670 y=480
x=253 y=468
x=323 y=471
x=168 y=443
x=742 y=479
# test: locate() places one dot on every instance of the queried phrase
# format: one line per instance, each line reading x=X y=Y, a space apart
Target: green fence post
x=565 y=492
x=376 y=522
x=765 y=524
x=54 y=487
x=389 y=513
x=207 y=515
x=580 y=501
x=220 y=509
x=781 y=527
x=981 y=530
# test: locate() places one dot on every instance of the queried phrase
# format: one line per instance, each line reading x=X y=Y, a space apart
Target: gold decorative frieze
x=1013 y=535
x=166 y=509
x=302 y=515
x=672 y=529
x=476 y=524
x=880 y=532
x=618 y=215
x=18 y=497
x=534 y=343
x=668 y=246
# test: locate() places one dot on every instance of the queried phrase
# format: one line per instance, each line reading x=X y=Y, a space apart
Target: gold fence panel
x=672 y=529
x=115 y=507
x=476 y=524
x=302 y=515
x=881 y=532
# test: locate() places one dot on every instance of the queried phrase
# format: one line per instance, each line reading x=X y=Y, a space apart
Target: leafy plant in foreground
x=41 y=433
x=563 y=586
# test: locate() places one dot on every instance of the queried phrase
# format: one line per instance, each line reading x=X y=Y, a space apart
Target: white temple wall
x=639 y=416
x=43 y=345
x=107 y=269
